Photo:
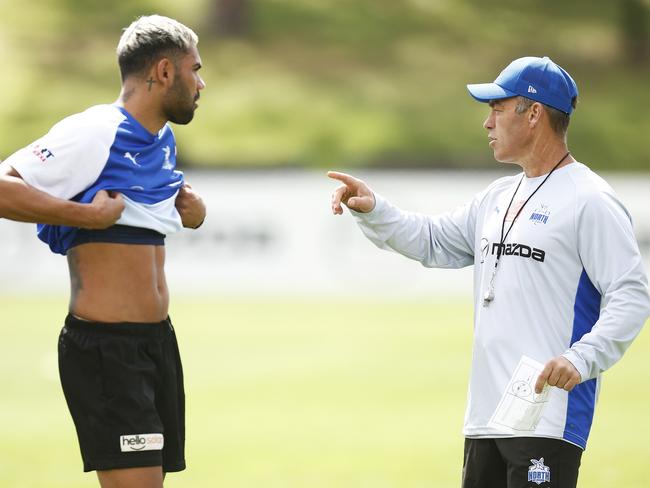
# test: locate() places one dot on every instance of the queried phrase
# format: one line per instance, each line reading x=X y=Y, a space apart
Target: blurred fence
x=272 y=233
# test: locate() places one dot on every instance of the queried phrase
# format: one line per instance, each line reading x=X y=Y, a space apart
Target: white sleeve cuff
x=381 y=205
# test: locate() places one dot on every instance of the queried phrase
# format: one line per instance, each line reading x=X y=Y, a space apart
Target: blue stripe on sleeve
x=582 y=399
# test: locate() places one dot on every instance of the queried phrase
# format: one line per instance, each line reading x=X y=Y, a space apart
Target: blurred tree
x=230 y=18
x=89 y=16
x=635 y=31
x=361 y=81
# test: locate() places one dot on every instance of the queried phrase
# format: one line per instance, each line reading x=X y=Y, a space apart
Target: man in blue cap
x=560 y=290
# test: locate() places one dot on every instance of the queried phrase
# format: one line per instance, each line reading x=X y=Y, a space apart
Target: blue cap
x=539 y=79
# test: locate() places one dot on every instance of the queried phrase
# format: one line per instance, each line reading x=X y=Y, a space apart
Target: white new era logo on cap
x=142 y=442
x=531 y=89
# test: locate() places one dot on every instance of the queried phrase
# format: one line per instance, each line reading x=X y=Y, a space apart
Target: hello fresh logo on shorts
x=141 y=442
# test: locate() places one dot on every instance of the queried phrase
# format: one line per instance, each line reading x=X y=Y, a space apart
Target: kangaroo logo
x=538 y=473
x=167 y=164
x=131 y=158
x=540 y=215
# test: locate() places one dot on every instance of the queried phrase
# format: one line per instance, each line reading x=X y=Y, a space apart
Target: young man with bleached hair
x=118 y=357
x=560 y=290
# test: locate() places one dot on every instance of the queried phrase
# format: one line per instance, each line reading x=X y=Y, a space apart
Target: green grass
x=297 y=394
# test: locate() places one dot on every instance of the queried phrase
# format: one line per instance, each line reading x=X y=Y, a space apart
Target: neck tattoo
x=151 y=81
x=489 y=294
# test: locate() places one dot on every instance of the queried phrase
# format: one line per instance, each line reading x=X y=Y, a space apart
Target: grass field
x=295 y=394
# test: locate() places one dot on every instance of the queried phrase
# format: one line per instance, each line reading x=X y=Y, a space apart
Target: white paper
x=520 y=408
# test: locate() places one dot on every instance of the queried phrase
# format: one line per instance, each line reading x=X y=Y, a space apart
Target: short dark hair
x=559 y=120
x=150 y=38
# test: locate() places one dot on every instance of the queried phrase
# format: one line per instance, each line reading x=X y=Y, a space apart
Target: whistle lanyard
x=489 y=294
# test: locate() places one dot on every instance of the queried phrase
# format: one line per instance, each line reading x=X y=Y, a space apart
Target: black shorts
x=520 y=462
x=124 y=387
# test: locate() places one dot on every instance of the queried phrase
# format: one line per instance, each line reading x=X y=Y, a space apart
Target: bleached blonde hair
x=150 y=38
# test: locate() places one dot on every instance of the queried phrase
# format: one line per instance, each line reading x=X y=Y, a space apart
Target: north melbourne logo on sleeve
x=141 y=442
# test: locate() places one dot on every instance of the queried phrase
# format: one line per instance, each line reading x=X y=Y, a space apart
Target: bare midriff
x=118 y=282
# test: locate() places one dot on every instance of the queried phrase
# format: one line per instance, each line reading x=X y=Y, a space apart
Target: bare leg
x=132 y=478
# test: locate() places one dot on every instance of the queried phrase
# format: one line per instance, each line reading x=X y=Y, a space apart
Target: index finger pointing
x=343 y=177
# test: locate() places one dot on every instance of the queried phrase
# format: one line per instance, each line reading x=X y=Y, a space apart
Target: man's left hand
x=190 y=206
x=558 y=372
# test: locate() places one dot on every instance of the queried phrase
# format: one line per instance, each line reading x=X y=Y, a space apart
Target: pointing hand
x=353 y=192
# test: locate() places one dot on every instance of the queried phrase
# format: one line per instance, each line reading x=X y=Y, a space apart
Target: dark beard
x=179 y=104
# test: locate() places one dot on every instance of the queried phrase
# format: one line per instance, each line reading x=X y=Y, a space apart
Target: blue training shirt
x=105 y=148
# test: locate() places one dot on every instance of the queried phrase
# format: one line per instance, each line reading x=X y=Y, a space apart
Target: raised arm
x=443 y=241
